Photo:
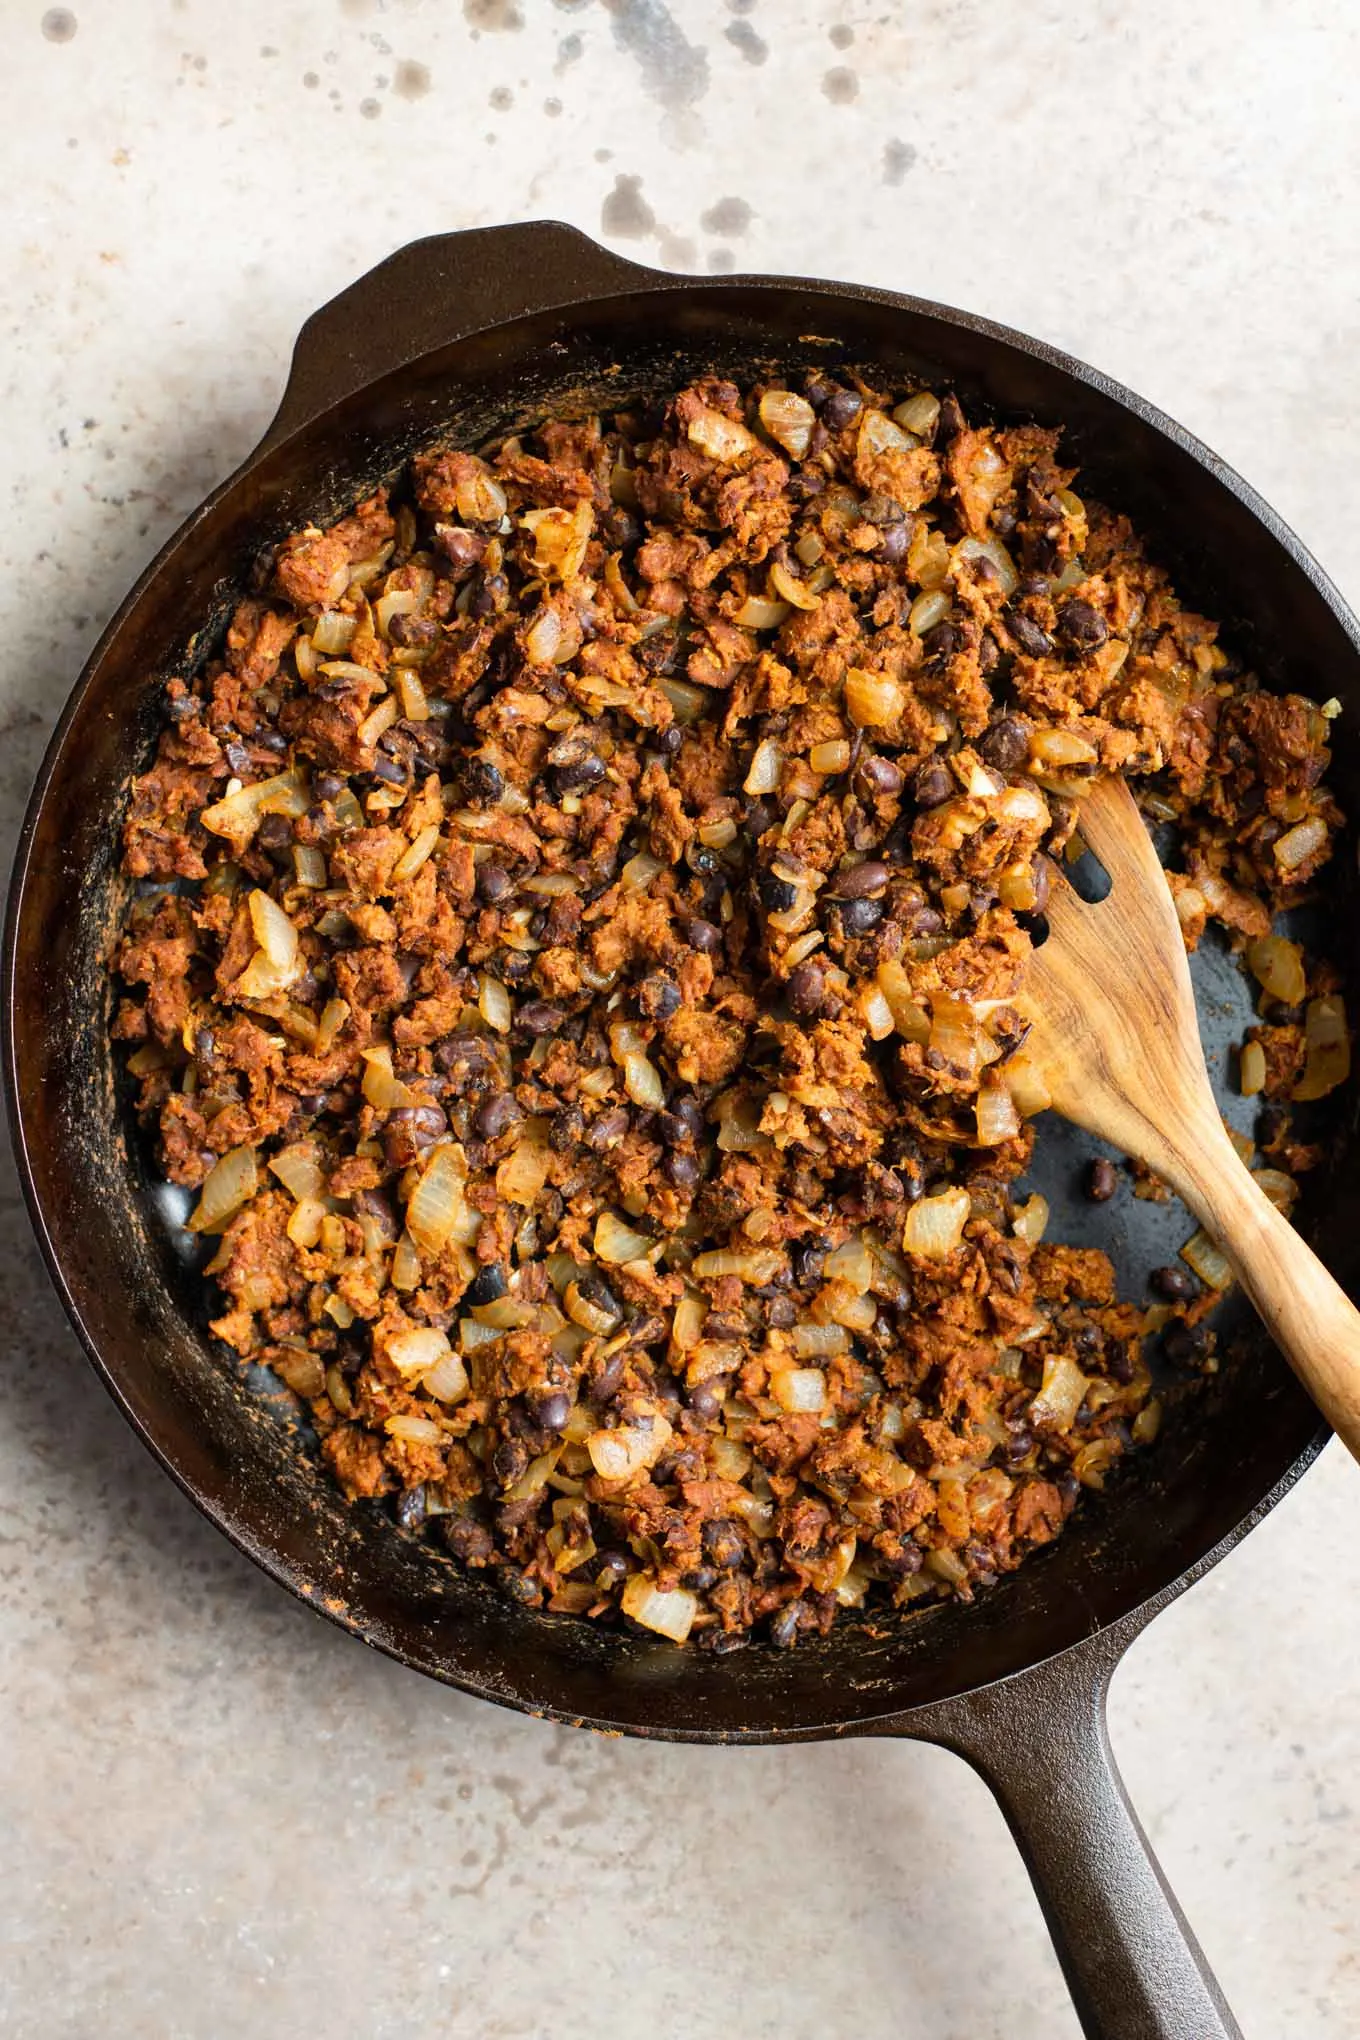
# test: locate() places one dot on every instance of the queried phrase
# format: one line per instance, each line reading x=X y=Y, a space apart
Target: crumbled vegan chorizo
x=573 y=959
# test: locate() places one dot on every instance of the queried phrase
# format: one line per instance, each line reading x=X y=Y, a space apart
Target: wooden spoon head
x=1115 y=1036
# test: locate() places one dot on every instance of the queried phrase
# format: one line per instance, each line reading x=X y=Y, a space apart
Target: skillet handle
x=1131 y=1961
x=436 y=291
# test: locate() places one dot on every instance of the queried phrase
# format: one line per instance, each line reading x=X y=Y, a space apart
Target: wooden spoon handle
x=1306 y=1311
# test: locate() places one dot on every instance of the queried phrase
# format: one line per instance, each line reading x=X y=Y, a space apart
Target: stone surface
x=223 y=1819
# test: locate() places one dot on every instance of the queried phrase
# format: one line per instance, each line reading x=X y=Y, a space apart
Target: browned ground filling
x=585 y=909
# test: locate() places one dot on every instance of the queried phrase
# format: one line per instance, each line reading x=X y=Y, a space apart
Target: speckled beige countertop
x=223 y=1819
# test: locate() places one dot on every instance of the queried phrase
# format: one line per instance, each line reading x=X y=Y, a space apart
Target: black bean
x=413 y=630
x=699 y=1579
x=236 y=755
x=566 y=1127
x=705 y=1401
x=895 y=544
x=808 y=1261
x=390 y=770
x=605 y=1383
x=1006 y=743
x=683 y=1123
x=550 y=1409
x=410 y=1129
x=669 y=742
x=466 y=1538
x=989 y=654
x=681 y=1170
x=509 y=1460
x=587 y=770
x=859 y=916
x=659 y=997
x=594 y=1289
x=859 y=881
x=539 y=1016
x=1033 y=640
x=807 y=988
x=784 y=1628
x=610 y=1127
x=1184 y=1344
x=703 y=936
x=517 y=1586
x=483 y=780
x=493 y=883
x=492 y=596
x=1035 y=584
x=777 y=894
x=1082 y=625
x=328 y=786
x=724 y=1545
x=495 y=1115
x=1172 y=1283
x=462 y=549
x=903 y=1559
x=1102 y=1181
x=941 y=642
x=372 y=1204
x=647 y=1329
x=410 y=1508
x=933 y=784
x=609 y=1567
x=879 y=775
x=780 y=1313
x=274 y=833
x=840 y=409
x=488 y=1284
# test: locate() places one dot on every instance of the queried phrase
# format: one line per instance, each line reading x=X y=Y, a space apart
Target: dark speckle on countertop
x=502 y=98
x=898 y=158
x=625 y=212
x=841 y=85
x=728 y=216
x=410 y=80
x=568 y=52
x=842 y=35
x=499 y=16
x=744 y=38
x=674 y=70
x=59 y=24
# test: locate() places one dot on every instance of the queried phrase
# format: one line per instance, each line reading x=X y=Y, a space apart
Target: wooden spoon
x=1117 y=1043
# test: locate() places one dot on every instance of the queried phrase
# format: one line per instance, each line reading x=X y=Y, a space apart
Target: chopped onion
x=381 y=1088
x=1061 y=1394
x=763 y=775
x=1031 y=1219
x=415 y=1351
x=787 y=587
x=799 y=1388
x=299 y=1171
x=729 y=1460
x=437 y=1211
x=852 y=1264
x=506 y=1313
x=687 y=702
x=1300 y=843
x=618 y=1455
x=228 y=1185
x=406 y=1271
x=760 y=612
x=238 y=816
x=304 y=1225
x=480 y=498
x=872 y=700
x=789 y=421
x=919 y=413
x=1208 y=1261
x=1329 y=1050
x=877 y=1013
x=688 y=1321
x=720 y=437
x=417 y=851
x=1252 y=1069
x=493 y=1002
x=639 y=871
x=997 y=1117
x=669 y=1611
x=521 y=1176
x=334 y=1014
x=1058 y=750
x=642 y=1082
x=756 y=1267
x=332 y=631
x=935 y=1224
x=928 y=610
x=1277 y=966
x=415 y=1431
x=830 y=758
x=1280 y=1188
x=819 y=1341
x=856 y=1313
x=879 y=434
x=1026 y=1084
x=909 y=1016
x=617 y=1243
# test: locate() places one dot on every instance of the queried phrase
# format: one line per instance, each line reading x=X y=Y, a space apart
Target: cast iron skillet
x=464 y=333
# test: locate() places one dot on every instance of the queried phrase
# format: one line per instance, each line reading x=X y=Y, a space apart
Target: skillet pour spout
x=462 y=335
